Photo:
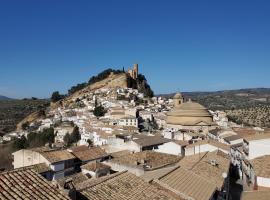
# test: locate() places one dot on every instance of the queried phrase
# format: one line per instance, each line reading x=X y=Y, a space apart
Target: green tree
x=67 y=140
x=99 y=111
x=20 y=143
x=25 y=125
x=56 y=96
x=75 y=135
x=90 y=142
x=47 y=135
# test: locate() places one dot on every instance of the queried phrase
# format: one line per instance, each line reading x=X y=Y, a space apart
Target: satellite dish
x=224 y=175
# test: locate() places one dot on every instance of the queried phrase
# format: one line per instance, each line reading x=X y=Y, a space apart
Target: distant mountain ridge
x=5 y=98
x=251 y=91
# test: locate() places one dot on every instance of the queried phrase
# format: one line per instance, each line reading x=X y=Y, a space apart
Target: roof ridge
x=176 y=167
x=181 y=194
x=101 y=180
x=197 y=175
x=199 y=160
x=30 y=168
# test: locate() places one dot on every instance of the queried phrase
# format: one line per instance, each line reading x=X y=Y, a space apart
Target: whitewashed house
x=257 y=172
x=128 y=121
x=61 y=162
x=174 y=147
x=256 y=145
x=206 y=146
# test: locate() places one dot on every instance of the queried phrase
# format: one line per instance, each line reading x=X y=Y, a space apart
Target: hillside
x=254 y=115
x=13 y=111
x=112 y=81
x=107 y=79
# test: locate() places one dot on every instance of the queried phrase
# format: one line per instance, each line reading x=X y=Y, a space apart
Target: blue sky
x=48 y=45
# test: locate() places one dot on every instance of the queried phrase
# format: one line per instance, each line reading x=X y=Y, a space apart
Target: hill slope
x=13 y=111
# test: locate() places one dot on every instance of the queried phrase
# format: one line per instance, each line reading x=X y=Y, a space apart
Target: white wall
x=170 y=148
x=24 y=158
x=202 y=148
x=259 y=148
x=264 y=182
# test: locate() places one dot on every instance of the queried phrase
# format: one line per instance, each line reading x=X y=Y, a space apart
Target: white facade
x=257 y=148
x=128 y=121
x=170 y=148
x=201 y=149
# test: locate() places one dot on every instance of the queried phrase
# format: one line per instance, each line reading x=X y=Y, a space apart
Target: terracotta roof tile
x=123 y=186
x=187 y=184
x=92 y=153
x=256 y=195
x=27 y=184
x=57 y=156
x=93 y=166
x=261 y=166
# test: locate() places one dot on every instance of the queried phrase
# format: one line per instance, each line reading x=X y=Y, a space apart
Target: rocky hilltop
x=112 y=81
x=107 y=79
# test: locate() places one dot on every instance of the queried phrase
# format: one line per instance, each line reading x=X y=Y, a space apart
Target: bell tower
x=135 y=71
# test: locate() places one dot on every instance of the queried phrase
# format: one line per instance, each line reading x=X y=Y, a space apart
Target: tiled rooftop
x=149 y=158
x=256 y=195
x=27 y=184
x=123 y=186
x=76 y=179
x=120 y=153
x=210 y=142
x=57 y=156
x=187 y=184
x=151 y=140
x=261 y=166
x=40 y=168
x=93 y=166
x=92 y=153
x=213 y=173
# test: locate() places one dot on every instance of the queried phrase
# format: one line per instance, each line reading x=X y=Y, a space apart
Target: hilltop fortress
x=134 y=72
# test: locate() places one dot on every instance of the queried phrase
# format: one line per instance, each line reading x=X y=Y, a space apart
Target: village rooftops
x=156 y=174
x=214 y=167
x=94 y=166
x=181 y=142
x=247 y=132
x=118 y=154
x=210 y=165
x=78 y=148
x=210 y=142
x=215 y=132
x=258 y=136
x=55 y=156
x=40 y=168
x=88 y=154
x=189 y=161
x=149 y=160
x=255 y=195
x=151 y=140
x=27 y=184
x=232 y=138
x=75 y=178
x=261 y=166
x=187 y=184
x=122 y=186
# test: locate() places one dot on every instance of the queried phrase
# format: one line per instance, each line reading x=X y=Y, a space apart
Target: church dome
x=189 y=113
x=178 y=95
